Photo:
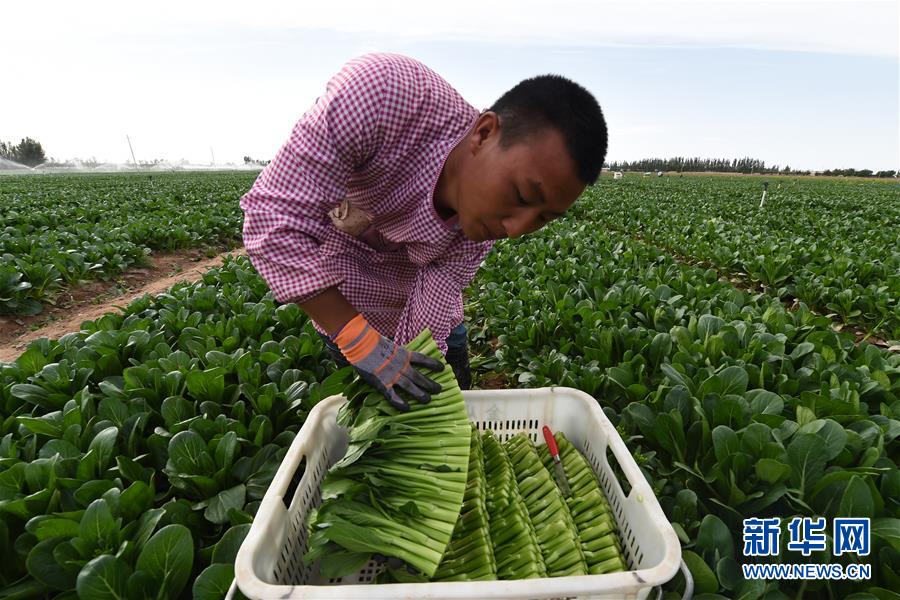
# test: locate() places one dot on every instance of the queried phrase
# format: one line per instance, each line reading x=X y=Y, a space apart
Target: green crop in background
x=59 y=230
x=164 y=426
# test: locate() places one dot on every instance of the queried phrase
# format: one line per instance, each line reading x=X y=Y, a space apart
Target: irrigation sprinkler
x=765 y=189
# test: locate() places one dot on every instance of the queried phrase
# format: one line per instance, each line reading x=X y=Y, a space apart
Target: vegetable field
x=725 y=342
x=831 y=244
x=57 y=230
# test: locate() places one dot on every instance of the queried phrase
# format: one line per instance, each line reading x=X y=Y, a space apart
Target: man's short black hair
x=554 y=101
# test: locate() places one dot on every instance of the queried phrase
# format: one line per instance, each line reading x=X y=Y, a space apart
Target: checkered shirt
x=379 y=137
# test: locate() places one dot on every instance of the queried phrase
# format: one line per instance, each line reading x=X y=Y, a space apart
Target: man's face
x=509 y=192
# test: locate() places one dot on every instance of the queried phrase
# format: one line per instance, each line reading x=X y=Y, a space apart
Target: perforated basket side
x=290 y=568
x=505 y=429
x=634 y=555
x=271 y=555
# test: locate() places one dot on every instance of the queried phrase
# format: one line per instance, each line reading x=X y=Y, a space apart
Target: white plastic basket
x=269 y=563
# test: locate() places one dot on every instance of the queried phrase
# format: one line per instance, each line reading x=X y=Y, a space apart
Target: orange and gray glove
x=385 y=365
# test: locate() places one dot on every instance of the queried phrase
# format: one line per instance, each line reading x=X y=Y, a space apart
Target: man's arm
x=330 y=310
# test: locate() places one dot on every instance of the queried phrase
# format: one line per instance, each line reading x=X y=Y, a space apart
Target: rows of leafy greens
x=58 y=230
x=831 y=244
x=733 y=405
x=134 y=454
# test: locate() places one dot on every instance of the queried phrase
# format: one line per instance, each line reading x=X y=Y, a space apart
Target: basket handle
x=285 y=486
x=294 y=482
x=623 y=459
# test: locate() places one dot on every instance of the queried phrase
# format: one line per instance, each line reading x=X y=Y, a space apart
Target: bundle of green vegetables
x=470 y=555
x=425 y=492
x=589 y=508
x=398 y=490
x=548 y=511
x=515 y=544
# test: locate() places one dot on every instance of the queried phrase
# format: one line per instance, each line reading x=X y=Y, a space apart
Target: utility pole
x=133 y=159
x=211 y=153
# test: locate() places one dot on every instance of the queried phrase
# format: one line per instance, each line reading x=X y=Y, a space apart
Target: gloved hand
x=385 y=365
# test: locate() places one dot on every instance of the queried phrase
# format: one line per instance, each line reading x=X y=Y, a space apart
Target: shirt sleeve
x=436 y=298
x=286 y=210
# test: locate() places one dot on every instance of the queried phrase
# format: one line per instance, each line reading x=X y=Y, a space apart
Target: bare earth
x=94 y=299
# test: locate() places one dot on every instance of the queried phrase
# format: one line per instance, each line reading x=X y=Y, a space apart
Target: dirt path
x=92 y=300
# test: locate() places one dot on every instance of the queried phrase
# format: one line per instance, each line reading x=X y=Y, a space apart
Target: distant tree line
x=734 y=165
x=252 y=161
x=27 y=152
x=859 y=173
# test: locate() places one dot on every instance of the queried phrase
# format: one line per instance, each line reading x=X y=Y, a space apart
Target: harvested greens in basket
x=398 y=490
x=436 y=500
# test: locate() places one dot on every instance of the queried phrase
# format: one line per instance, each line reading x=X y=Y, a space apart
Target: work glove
x=386 y=366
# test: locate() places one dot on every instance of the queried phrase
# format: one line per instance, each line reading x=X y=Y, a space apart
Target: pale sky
x=808 y=83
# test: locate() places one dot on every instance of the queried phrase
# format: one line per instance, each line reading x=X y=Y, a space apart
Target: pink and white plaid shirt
x=379 y=137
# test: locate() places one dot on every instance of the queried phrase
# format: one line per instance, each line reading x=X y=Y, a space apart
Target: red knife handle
x=551 y=443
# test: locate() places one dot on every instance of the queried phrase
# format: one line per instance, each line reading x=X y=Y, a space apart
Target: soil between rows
x=93 y=299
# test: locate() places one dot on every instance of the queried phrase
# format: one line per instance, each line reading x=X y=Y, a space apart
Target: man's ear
x=486 y=130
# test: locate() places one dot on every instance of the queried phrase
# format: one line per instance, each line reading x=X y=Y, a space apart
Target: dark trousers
x=457 y=355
